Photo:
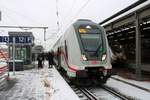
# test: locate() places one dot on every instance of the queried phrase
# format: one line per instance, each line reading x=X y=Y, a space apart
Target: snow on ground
x=128 y=90
x=24 y=85
x=144 y=84
x=62 y=90
x=47 y=84
x=37 y=84
x=103 y=94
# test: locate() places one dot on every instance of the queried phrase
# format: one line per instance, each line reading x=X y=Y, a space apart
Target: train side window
x=66 y=49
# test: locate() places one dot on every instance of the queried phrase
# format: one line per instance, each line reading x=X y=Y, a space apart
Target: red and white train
x=83 y=51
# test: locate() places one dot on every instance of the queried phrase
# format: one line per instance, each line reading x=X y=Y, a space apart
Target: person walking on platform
x=50 y=58
x=43 y=58
x=39 y=59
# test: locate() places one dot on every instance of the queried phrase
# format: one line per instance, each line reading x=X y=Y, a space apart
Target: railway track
x=84 y=94
x=142 y=88
x=87 y=94
x=116 y=93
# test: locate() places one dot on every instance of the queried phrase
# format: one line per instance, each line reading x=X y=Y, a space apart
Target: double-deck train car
x=83 y=51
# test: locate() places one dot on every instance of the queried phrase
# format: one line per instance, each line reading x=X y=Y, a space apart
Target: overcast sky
x=43 y=13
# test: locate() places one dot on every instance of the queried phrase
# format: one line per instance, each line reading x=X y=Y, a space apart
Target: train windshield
x=91 y=42
x=91 y=37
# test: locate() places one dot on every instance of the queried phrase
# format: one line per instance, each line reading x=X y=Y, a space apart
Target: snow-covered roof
x=128 y=12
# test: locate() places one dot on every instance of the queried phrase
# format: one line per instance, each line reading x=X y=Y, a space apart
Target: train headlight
x=84 y=57
x=104 y=57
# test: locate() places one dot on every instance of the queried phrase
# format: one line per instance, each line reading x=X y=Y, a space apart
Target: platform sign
x=4 y=39
x=18 y=39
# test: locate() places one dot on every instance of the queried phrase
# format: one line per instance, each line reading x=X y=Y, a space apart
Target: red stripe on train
x=71 y=68
x=3 y=69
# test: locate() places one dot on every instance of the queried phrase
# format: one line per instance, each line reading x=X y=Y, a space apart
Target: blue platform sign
x=18 y=39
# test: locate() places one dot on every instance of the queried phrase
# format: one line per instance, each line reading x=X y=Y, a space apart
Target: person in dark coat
x=50 y=58
x=39 y=59
x=43 y=58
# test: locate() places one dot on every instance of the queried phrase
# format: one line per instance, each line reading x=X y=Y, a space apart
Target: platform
x=37 y=84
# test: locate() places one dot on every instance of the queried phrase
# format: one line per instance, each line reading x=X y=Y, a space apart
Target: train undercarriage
x=89 y=76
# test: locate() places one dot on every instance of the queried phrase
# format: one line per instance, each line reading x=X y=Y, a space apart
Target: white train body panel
x=75 y=56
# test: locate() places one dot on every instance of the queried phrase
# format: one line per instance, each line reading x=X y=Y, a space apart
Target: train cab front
x=91 y=73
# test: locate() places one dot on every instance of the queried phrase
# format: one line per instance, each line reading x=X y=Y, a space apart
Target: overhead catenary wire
x=6 y=14
x=7 y=10
x=78 y=12
x=58 y=20
x=70 y=10
x=19 y=14
x=57 y=15
x=13 y=21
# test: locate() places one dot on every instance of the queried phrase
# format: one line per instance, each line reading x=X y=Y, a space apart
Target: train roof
x=84 y=22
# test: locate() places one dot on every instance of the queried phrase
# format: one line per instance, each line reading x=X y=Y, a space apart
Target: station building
x=130 y=29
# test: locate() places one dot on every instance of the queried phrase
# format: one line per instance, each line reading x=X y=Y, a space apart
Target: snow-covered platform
x=47 y=84
x=37 y=84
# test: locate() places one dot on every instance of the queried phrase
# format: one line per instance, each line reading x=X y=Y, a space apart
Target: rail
x=142 y=88
x=116 y=93
x=83 y=93
x=90 y=95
